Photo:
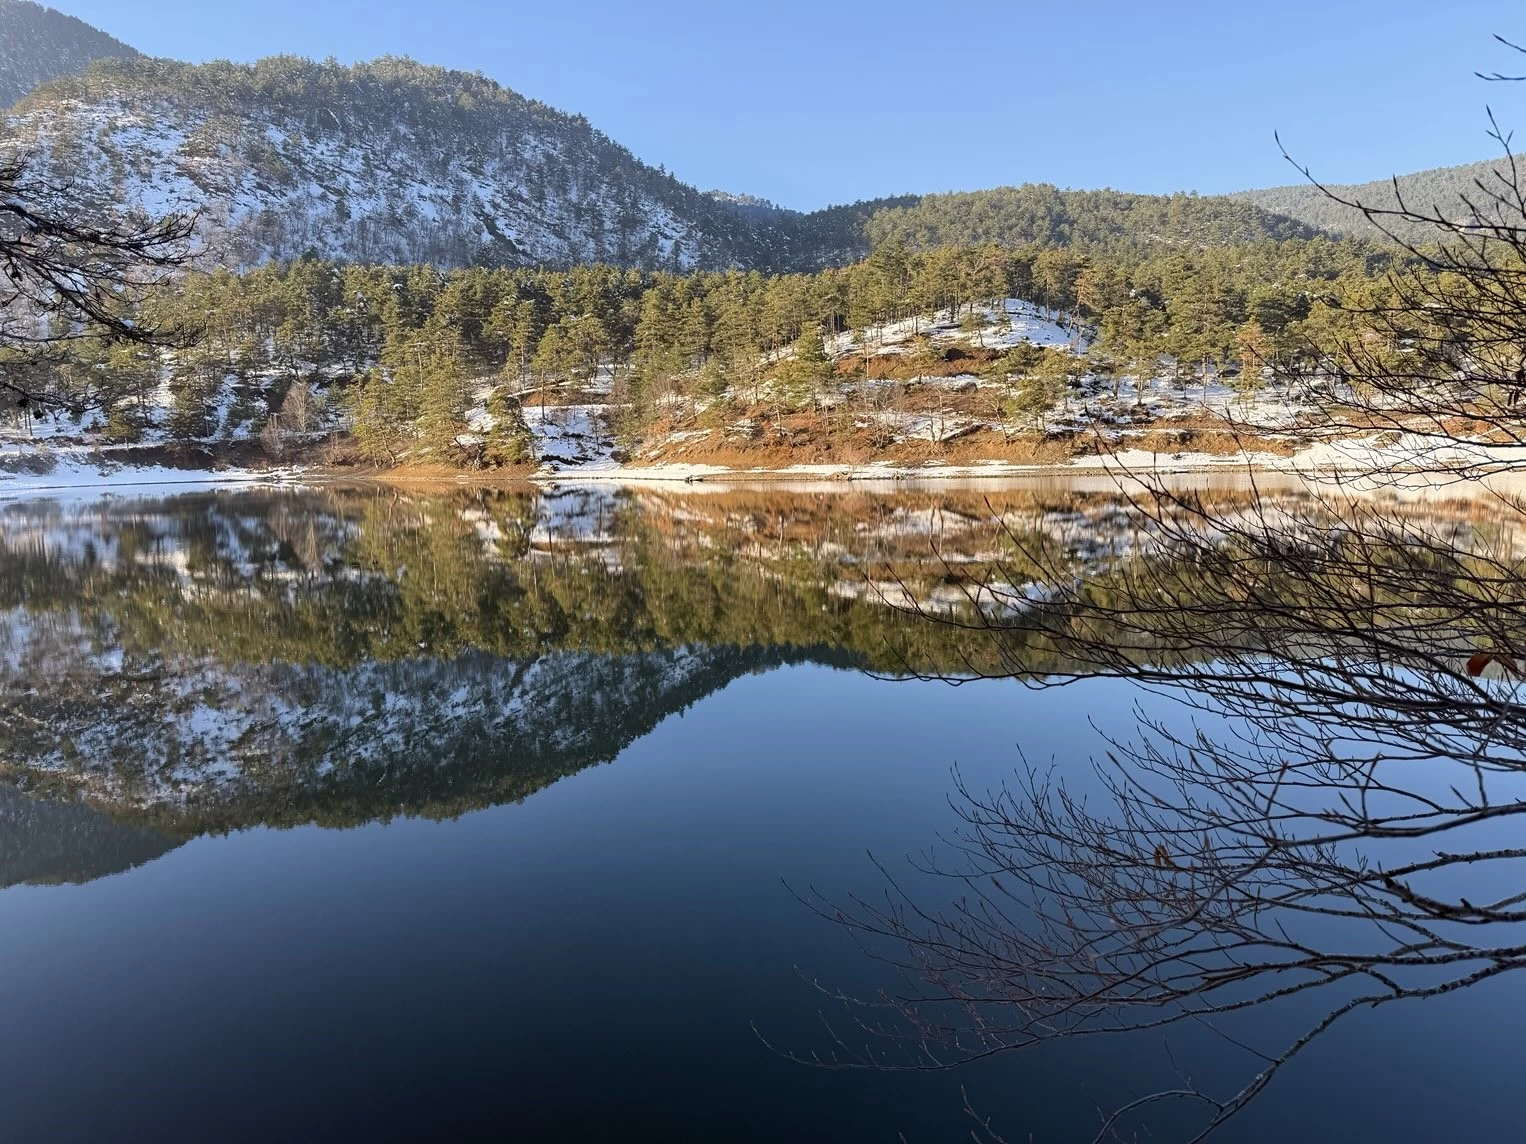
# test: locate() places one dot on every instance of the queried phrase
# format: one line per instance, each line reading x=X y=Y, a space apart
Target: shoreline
x=872 y=473
x=1340 y=460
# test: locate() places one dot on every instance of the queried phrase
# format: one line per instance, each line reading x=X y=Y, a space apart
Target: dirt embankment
x=752 y=439
x=816 y=439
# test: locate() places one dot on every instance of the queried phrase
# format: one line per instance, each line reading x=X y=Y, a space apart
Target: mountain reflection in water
x=214 y=661
x=182 y=670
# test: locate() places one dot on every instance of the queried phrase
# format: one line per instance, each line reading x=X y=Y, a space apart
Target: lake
x=480 y=813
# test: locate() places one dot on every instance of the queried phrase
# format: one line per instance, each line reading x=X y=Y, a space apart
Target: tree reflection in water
x=1331 y=808
x=211 y=661
x=1334 y=820
x=205 y=663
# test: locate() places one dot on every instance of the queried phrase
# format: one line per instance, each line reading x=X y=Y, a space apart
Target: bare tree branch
x=66 y=276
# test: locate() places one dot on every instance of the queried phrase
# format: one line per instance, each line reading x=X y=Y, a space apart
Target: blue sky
x=810 y=103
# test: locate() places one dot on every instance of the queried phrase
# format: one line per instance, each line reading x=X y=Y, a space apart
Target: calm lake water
x=362 y=814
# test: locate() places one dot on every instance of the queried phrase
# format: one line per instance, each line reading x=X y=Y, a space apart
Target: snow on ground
x=576 y=450
x=1028 y=323
x=1007 y=324
x=79 y=470
x=1421 y=458
x=932 y=427
x=365 y=189
x=1409 y=452
x=156 y=413
x=1097 y=400
x=571 y=436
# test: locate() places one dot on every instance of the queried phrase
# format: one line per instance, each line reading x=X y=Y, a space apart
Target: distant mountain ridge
x=38 y=44
x=1440 y=188
x=1045 y=214
x=394 y=161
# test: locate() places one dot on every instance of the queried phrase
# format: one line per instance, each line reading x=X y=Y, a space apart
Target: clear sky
x=810 y=102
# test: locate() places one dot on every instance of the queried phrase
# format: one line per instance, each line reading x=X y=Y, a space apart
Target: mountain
x=389 y=161
x=38 y=44
x=394 y=161
x=1441 y=188
x=1047 y=215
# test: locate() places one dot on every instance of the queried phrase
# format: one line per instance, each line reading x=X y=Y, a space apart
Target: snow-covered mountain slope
x=389 y=161
x=394 y=161
x=38 y=44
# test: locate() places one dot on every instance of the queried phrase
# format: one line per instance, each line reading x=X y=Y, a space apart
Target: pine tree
x=508 y=441
x=442 y=399
x=810 y=369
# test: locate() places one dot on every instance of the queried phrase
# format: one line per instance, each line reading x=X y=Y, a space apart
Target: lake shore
x=1420 y=458
x=80 y=472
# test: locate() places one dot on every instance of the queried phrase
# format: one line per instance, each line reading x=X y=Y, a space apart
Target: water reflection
x=211 y=661
x=179 y=668
x=1317 y=811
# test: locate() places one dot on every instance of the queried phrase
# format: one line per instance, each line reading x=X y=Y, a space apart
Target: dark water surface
x=379 y=816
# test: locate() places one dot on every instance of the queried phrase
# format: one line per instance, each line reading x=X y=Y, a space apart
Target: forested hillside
x=1443 y=188
x=502 y=367
x=400 y=163
x=396 y=162
x=421 y=267
x=38 y=44
x=389 y=161
x=1044 y=214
